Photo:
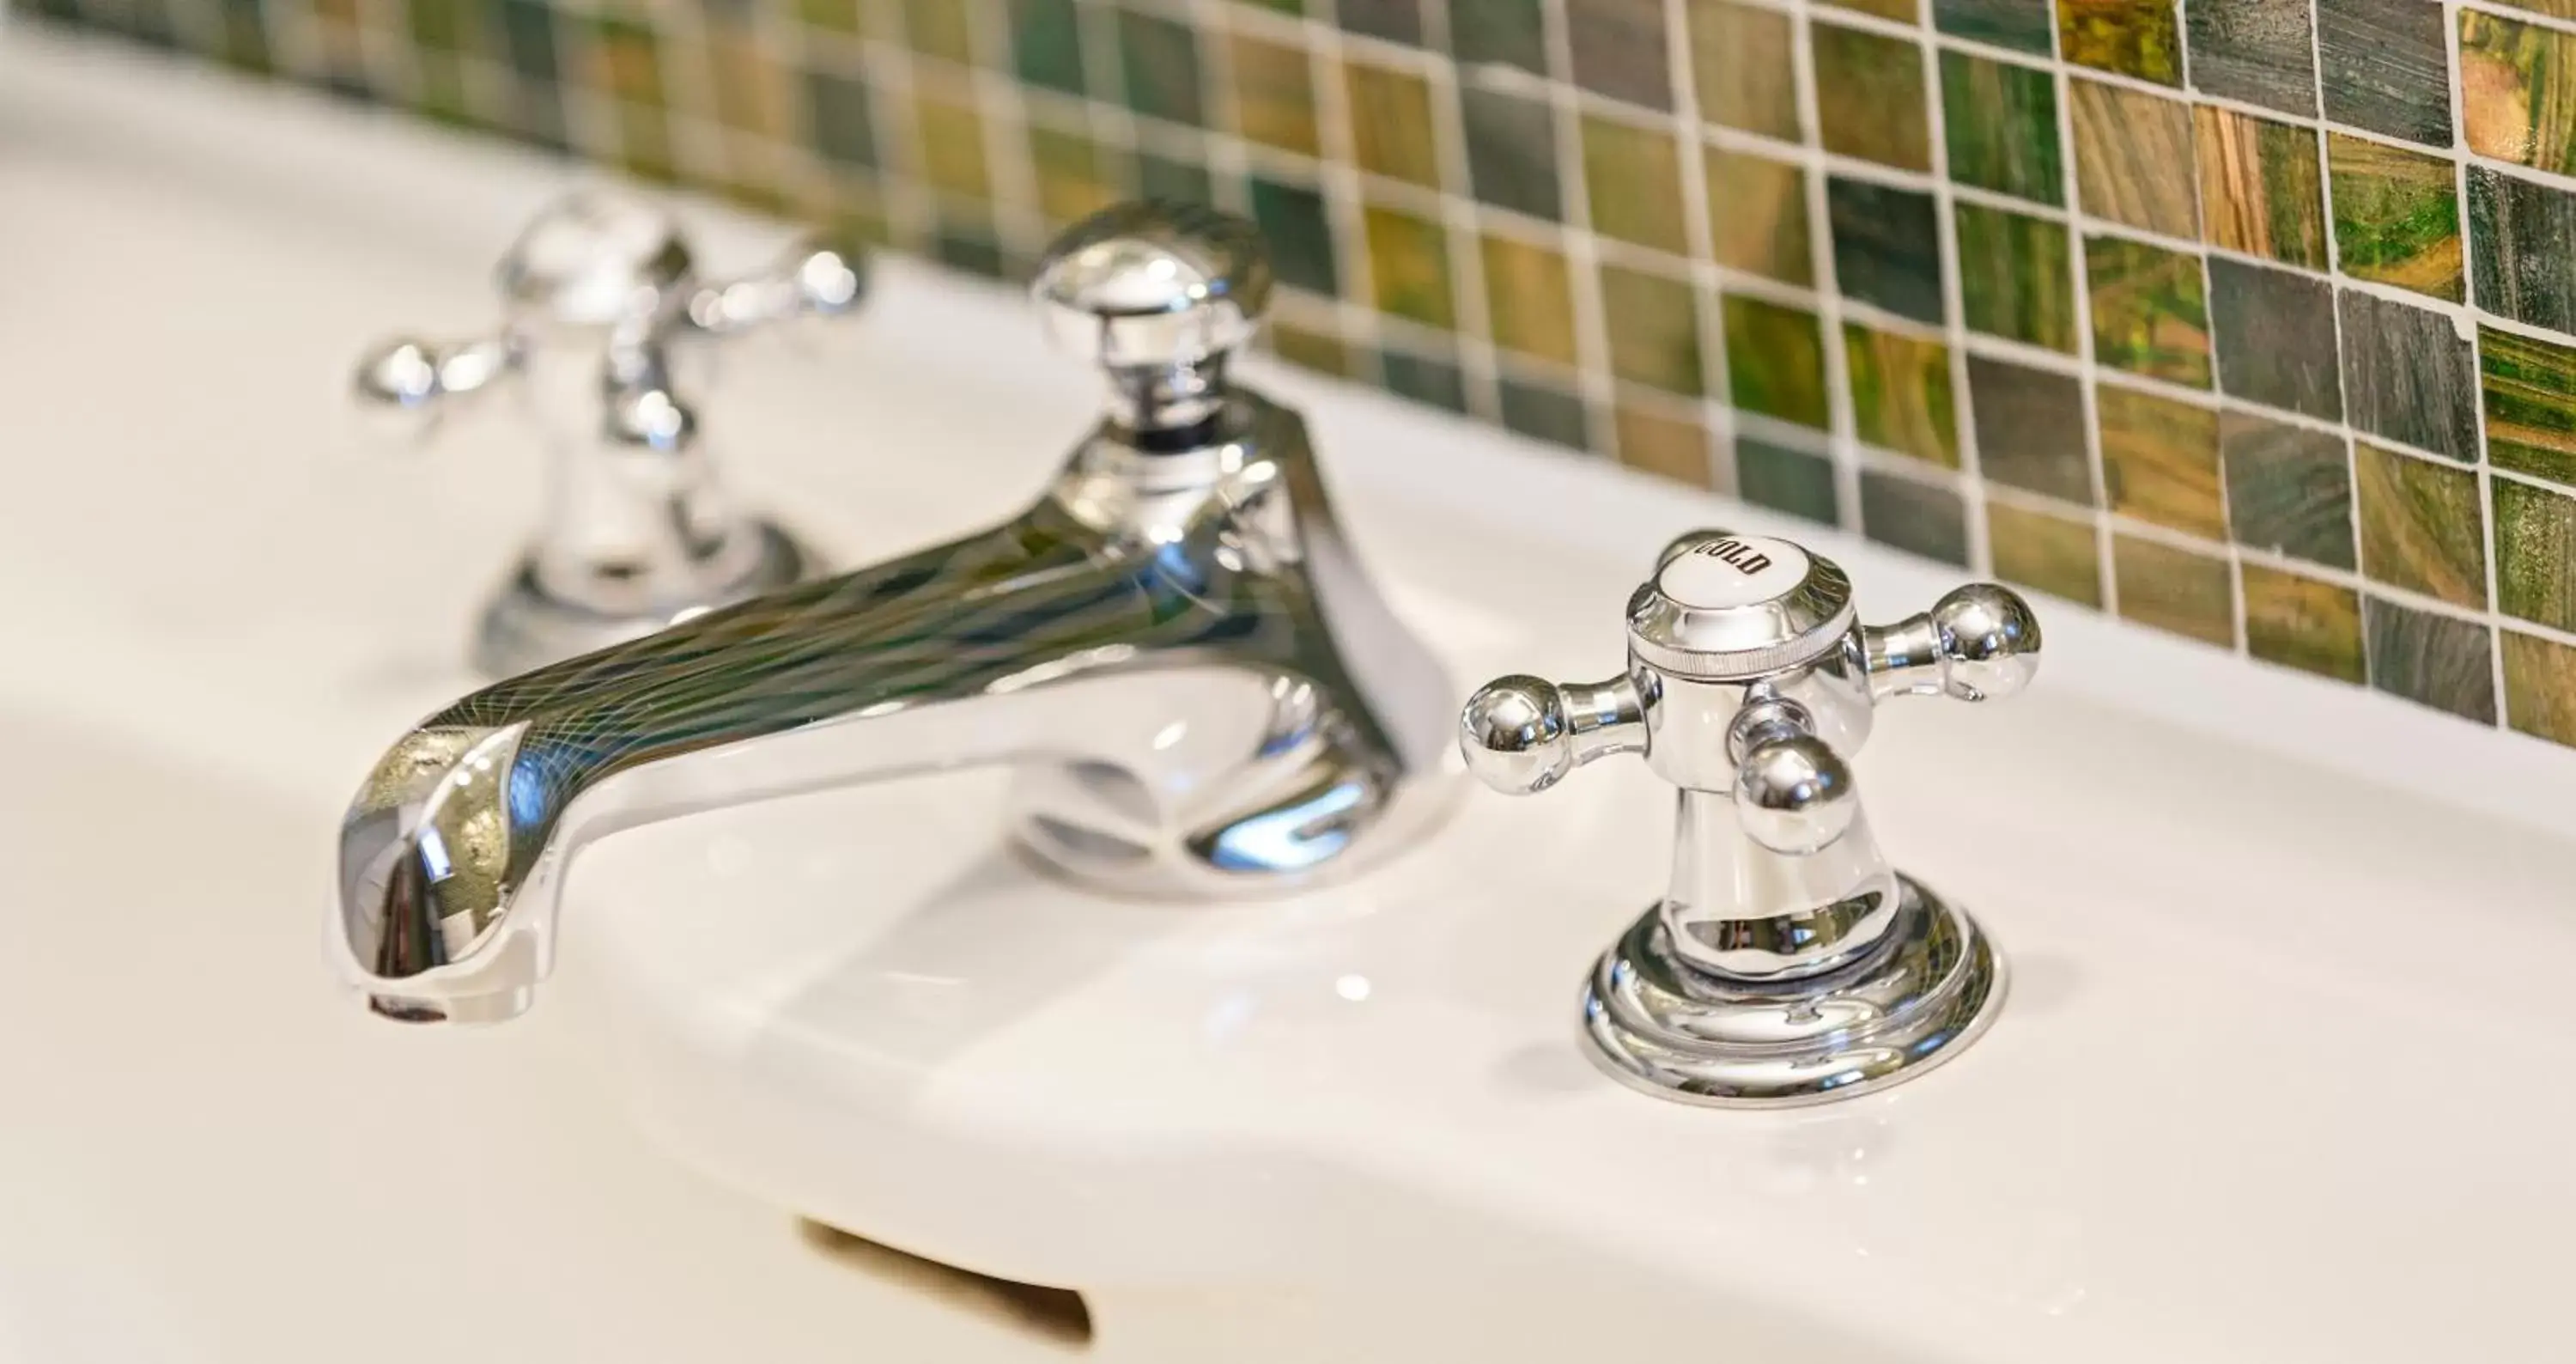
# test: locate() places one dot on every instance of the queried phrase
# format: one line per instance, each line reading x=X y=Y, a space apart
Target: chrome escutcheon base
x=1659 y=1025
x=526 y=626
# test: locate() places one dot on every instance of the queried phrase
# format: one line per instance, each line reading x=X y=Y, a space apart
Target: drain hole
x=1056 y=1315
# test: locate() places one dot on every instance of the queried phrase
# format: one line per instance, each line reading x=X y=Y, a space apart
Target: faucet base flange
x=1657 y=1024
x=526 y=626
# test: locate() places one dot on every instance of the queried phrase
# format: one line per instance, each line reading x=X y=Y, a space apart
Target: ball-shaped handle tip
x=397 y=390
x=1514 y=735
x=829 y=279
x=1989 y=641
x=1795 y=795
x=1153 y=285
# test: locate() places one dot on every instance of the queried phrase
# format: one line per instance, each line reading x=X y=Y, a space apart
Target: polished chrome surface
x=1749 y=683
x=602 y=307
x=1158 y=295
x=1202 y=692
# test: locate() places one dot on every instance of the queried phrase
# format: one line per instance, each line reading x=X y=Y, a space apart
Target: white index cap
x=1732 y=571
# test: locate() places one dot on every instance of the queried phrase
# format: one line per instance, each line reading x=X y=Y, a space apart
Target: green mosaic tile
x=2150 y=316
x=2526 y=235
x=1887 y=247
x=2383 y=68
x=1775 y=360
x=2396 y=216
x=2300 y=622
x=1901 y=395
x=1076 y=176
x=1159 y=58
x=969 y=246
x=1500 y=32
x=952 y=144
x=1391 y=123
x=2564 y=9
x=1634 y=179
x=626 y=61
x=1529 y=299
x=1181 y=182
x=2259 y=51
x=2289 y=488
x=1618 y=50
x=528 y=40
x=2023 y=25
x=2408 y=376
x=2128 y=37
x=855 y=17
x=1543 y=412
x=1397 y=21
x=1409 y=267
x=2183 y=591
x=753 y=90
x=2275 y=335
x=1917 y=517
x=1653 y=323
x=1744 y=67
x=940 y=28
x=2540 y=687
x=2535 y=543
x=1511 y=151
x=1870 y=99
x=1046 y=45
x=1273 y=93
x=1902 y=11
x=2057 y=553
x=2133 y=158
x=1432 y=379
x=444 y=25
x=2030 y=428
x=1322 y=352
x=1783 y=479
x=1293 y=7
x=2529 y=388
x=2518 y=90
x=243 y=43
x=2260 y=191
x=2429 y=659
x=2014 y=277
x=2160 y=461
x=1292 y=218
x=1757 y=213
x=1663 y=444
x=2421 y=527
x=2000 y=122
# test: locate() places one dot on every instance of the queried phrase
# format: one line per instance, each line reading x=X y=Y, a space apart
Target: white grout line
x=2477 y=371
x=1581 y=246
x=1461 y=219
x=1970 y=480
x=1813 y=172
x=1717 y=441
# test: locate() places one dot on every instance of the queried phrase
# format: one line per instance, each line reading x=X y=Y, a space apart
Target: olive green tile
x=2055 y=552
x=243 y=39
x=1799 y=482
x=1273 y=91
x=2408 y=375
x=1757 y=212
x=2529 y=386
x=1433 y=379
x=1315 y=350
x=2289 y=488
x=1398 y=21
x=2526 y=235
x=626 y=61
x=2259 y=51
x=1180 y=180
x=1159 y=58
x=859 y=17
x=1914 y=516
x=1076 y=176
x=2275 y=335
x=1409 y=267
x=1529 y=299
x=2396 y=216
x=2015 y=280
x=2564 y=9
x=2535 y=545
x=445 y=26
x=1902 y=11
x=644 y=148
x=1887 y=247
x=1618 y=50
x=2030 y=428
x=2421 y=528
x=1999 y=120
x=2429 y=659
x=1743 y=67
x=2301 y=622
x=2382 y=66
x=2160 y=461
x=1870 y=98
x=1500 y=33
x=940 y=28
x=2518 y=91
x=1293 y=220
x=1046 y=45
x=1544 y=412
x=1663 y=444
x=2150 y=315
x=1901 y=394
x=952 y=144
x=2540 y=687
x=1775 y=360
x=2259 y=187
x=1294 y=7
x=1653 y=323
x=2187 y=592
x=2129 y=37
x=1511 y=151
x=2134 y=161
x=2023 y=25
x=1391 y=123
x=1634 y=179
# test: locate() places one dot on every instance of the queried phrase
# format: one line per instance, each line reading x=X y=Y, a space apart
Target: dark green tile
x=2259 y=51
x=2408 y=376
x=2275 y=334
x=2518 y=84
x=1775 y=361
x=2535 y=543
x=1544 y=413
x=2429 y=659
x=1160 y=59
x=2540 y=687
x=1665 y=445
x=1409 y=267
x=1424 y=378
x=1293 y=220
x=1295 y=7
x=1901 y=395
x=1500 y=32
x=1397 y=21
x=1390 y=113
x=2529 y=386
x=1916 y=517
x=970 y=247
x=1511 y=151
x=2396 y=216
x=2130 y=37
x=1529 y=299
x=2023 y=25
x=2014 y=279
x=2526 y=236
x=2030 y=428
x=2421 y=527
x=2302 y=623
x=1180 y=182
x=1654 y=329
x=2289 y=488
x=2383 y=68
x=1887 y=247
x=1870 y=98
x=242 y=40
x=2150 y=315
x=2056 y=552
x=838 y=117
x=1757 y=213
x=2160 y=461
x=1618 y=49
x=1046 y=45
x=2134 y=160
x=1634 y=178
x=528 y=40
x=1273 y=95
x=2260 y=191
x=1793 y=481
x=2000 y=122
x=2171 y=588
x=1744 y=67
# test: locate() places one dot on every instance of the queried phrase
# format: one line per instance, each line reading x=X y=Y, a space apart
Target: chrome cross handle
x=603 y=315
x=1750 y=683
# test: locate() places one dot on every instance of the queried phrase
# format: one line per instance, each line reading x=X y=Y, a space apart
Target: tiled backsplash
x=2244 y=319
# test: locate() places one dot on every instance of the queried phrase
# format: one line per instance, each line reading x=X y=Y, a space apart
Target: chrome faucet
x=1788 y=962
x=1202 y=692
x=602 y=303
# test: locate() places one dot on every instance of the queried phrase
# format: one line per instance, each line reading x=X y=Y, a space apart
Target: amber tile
x=1999 y=122
x=2275 y=335
x=1409 y=267
x=1775 y=360
x=2150 y=314
x=2130 y=37
x=2171 y=588
x=2432 y=660
x=2518 y=91
x=1918 y=517
x=626 y=61
x=2030 y=428
x=1902 y=11
x=1529 y=299
x=1274 y=94
x=2383 y=68
x=1757 y=210
x=1391 y=123
x=2529 y=386
x=1871 y=101
x=2540 y=687
x=1076 y=176
x=2133 y=158
x=2259 y=187
x=1618 y=50
x=2535 y=545
x=2396 y=216
x=2302 y=623
x=1634 y=179
x=2259 y=51
x=1901 y=394
x=2289 y=488
x=2408 y=375
x=1662 y=443
x=1654 y=329
x=1744 y=67
x=2421 y=527
x=2160 y=461
x=939 y=28
x=1320 y=351
x=2055 y=552
x=952 y=144
x=2014 y=277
